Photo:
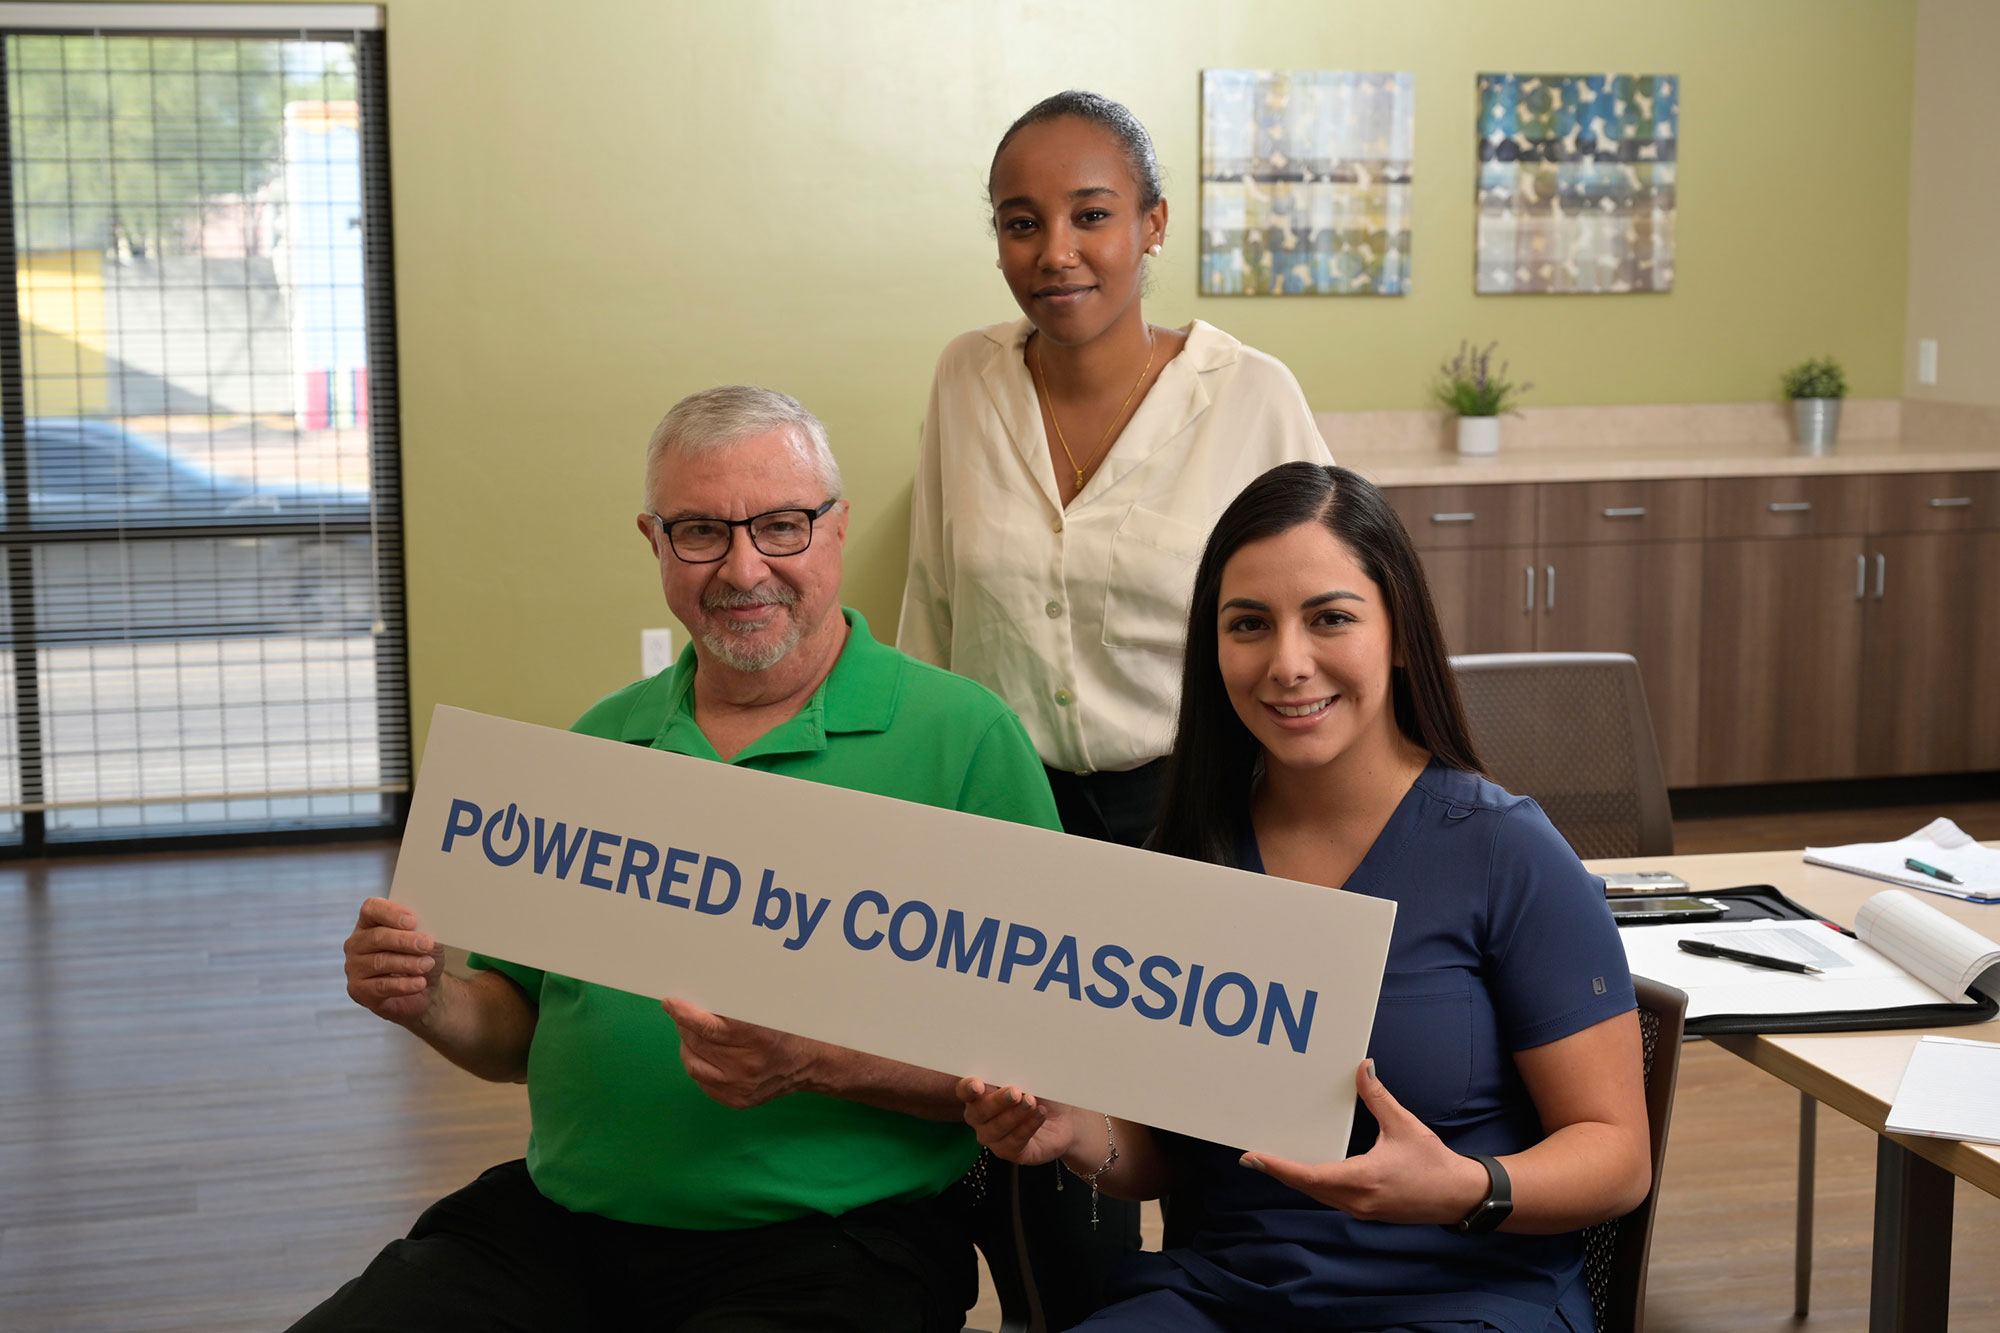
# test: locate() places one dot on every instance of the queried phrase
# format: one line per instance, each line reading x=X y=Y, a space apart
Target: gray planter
x=1818 y=422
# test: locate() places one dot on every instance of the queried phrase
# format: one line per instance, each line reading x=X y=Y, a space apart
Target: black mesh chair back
x=1572 y=731
x=1615 y=1252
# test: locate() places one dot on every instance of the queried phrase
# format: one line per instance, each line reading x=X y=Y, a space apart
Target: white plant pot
x=1479 y=435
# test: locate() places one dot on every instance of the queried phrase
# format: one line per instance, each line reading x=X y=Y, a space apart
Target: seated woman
x=1321 y=739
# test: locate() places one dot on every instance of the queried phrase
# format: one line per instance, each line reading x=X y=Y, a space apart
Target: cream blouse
x=1077 y=618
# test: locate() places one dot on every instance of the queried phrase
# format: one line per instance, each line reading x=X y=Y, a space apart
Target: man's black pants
x=498 y=1255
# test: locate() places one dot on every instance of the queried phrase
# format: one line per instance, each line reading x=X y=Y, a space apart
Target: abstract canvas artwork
x=1576 y=182
x=1305 y=182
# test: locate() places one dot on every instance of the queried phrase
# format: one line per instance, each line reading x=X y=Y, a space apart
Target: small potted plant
x=1816 y=387
x=1468 y=386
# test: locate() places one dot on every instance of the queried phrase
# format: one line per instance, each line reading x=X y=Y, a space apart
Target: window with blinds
x=201 y=618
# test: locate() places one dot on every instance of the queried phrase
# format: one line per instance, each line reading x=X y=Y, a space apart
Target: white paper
x=1939 y=843
x=1855 y=976
x=1950 y=1090
x=830 y=849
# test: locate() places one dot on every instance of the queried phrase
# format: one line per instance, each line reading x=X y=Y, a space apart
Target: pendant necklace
x=1042 y=382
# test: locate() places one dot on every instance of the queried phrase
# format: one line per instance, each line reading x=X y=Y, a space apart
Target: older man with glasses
x=686 y=1170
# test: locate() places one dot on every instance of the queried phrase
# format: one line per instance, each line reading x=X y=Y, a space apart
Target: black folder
x=1762 y=902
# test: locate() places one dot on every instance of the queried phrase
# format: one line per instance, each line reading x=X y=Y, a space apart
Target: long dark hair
x=1206 y=811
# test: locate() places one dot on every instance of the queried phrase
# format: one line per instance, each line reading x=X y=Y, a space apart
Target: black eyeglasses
x=777 y=532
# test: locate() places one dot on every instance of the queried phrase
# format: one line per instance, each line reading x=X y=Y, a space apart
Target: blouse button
x=1054 y=609
x=1057 y=526
x=1062 y=698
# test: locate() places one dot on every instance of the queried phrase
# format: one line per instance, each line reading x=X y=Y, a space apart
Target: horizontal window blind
x=203 y=611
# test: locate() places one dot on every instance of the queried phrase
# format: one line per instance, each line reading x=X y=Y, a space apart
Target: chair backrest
x=1572 y=731
x=1614 y=1252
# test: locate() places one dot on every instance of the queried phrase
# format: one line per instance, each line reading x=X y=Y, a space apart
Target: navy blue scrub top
x=1502 y=942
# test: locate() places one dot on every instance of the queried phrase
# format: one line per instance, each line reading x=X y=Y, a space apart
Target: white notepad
x=1939 y=843
x=1950 y=1090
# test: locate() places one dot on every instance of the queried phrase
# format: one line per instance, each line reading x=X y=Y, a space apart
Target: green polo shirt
x=619 y=1129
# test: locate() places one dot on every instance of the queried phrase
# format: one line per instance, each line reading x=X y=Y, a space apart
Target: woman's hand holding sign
x=1015 y=1125
x=1408 y=1176
x=1117 y=1156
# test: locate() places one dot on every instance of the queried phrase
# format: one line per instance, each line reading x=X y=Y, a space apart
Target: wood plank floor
x=199 y=1131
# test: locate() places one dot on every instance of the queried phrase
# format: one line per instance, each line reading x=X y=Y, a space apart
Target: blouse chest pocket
x=1422 y=1042
x=1151 y=581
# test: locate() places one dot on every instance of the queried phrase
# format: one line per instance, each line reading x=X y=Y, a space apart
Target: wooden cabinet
x=1610 y=570
x=1794 y=628
x=1783 y=583
x=1486 y=599
x=1931 y=626
x=1794 y=506
x=1781 y=673
x=1443 y=518
x=1637 y=598
x=1854 y=655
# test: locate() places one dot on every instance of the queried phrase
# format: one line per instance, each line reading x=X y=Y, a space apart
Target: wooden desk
x=1856 y=1074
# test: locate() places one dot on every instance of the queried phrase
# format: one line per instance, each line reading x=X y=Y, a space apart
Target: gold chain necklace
x=1042 y=382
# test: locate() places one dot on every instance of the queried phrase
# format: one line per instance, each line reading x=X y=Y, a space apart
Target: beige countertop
x=1663 y=461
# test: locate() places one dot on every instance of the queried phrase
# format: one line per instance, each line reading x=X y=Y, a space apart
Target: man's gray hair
x=719 y=417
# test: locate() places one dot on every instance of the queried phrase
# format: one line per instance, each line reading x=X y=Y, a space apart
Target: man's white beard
x=743 y=656
x=746 y=657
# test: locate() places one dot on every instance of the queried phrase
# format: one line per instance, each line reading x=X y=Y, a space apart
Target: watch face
x=1488 y=1215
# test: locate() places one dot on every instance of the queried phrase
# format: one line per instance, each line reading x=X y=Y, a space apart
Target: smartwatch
x=1492 y=1210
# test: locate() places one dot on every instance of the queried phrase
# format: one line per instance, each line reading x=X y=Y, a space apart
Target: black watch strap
x=1496 y=1207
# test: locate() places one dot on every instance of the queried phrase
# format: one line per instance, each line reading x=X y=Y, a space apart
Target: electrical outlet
x=656 y=651
x=1927 y=361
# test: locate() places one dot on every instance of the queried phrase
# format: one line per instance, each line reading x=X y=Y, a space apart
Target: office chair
x=1572 y=731
x=1615 y=1252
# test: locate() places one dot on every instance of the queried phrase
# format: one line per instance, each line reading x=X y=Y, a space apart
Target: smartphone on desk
x=1658 y=911
x=1636 y=883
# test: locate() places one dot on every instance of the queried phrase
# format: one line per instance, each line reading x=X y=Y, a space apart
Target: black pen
x=1707 y=950
x=1912 y=863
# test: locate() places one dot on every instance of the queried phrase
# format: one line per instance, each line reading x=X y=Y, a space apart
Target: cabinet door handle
x=1528 y=605
x=1790 y=506
x=1549 y=587
x=1453 y=518
x=1955 y=502
x=1860 y=577
x=1881 y=574
x=1636 y=511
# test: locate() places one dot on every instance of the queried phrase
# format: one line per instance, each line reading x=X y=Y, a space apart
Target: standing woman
x=1073 y=462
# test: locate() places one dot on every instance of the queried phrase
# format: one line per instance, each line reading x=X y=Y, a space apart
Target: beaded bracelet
x=1111 y=1144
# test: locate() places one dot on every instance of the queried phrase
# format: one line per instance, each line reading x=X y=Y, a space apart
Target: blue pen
x=1913 y=863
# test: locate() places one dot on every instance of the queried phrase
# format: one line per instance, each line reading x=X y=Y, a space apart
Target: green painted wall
x=601 y=206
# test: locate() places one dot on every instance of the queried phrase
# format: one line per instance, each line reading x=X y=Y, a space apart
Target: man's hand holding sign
x=483 y=1023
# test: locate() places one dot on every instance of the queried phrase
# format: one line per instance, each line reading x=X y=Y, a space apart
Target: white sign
x=1226 y=1005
